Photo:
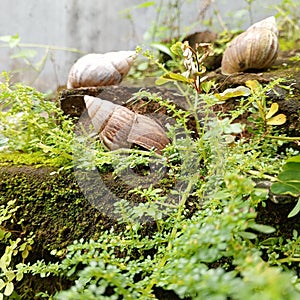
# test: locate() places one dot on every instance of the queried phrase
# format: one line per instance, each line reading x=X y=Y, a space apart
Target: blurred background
x=40 y=40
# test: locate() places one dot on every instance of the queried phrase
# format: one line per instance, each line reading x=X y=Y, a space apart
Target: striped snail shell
x=119 y=127
x=256 y=48
x=100 y=69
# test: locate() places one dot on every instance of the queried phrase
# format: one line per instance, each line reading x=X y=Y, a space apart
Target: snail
x=256 y=48
x=119 y=127
x=100 y=69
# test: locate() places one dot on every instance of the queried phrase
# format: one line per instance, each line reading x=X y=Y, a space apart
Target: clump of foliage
x=288 y=23
x=196 y=233
x=32 y=123
x=27 y=54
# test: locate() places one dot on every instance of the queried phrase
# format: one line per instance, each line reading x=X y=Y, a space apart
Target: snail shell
x=100 y=69
x=119 y=127
x=256 y=48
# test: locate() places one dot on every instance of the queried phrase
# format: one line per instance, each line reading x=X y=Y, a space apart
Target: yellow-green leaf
x=25 y=253
x=170 y=76
x=253 y=85
x=3 y=263
x=162 y=48
x=177 y=77
x=2 y=284
x=9 y=289
x=273 y=110
x=10 y=275
x=176 y=48
x=161 y=81
x=19 y=276
x=295 y=210
x=207 y=85
x=233 y=92
x=145 y=4
x=277 y=120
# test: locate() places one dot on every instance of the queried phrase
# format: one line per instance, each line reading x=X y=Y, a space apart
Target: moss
x=51 y=205
x=37 y=159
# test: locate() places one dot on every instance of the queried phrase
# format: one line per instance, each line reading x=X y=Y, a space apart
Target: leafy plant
x=32 y=123
x=267 y=115
x=26 y=52
x=288 y=182
x=13 y=247
x=288 y=23
x=194 y=231
x=178 y=257
x=193 y=63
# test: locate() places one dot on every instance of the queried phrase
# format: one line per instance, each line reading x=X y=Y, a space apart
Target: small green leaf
x=162 y=48
x=22 y=247
x=289 y=178
x=2 y=284
x=5 y=38
x=284 y=188
x=24 y=53
x=71 y=271
x=247 y=235
x=262 y=228
x=176 y=77
x=25 y=253
x=176 y=48
x=10 y=275
x=145 y=4
x=270 y=241
x=207 y=85
x=295 y=210
x=143 y=66
x=9 y=289
x=161 y=81
x=12 y=40
x=19 y=276
x=3 y=234
x=233 y=128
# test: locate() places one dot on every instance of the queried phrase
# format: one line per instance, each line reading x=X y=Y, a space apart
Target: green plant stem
x=194 y=109
x=172 y=236
x=186 y=96
x=130 y=151
x=49 y=47
x=219 y=17
x=156 y=20
x=287 y=17
x=284 y=138
x=289 y=259
x=259 y=174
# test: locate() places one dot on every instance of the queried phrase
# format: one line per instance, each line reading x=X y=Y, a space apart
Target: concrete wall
x=97 y=26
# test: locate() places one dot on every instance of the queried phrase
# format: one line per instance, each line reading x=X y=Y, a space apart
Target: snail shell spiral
x=256 y=48
x=100 y=69
x=119 y=127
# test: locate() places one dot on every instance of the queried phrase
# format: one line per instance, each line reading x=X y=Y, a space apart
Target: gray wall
x=98 y=26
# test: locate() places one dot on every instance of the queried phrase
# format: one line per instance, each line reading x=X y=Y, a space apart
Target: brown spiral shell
x=256 y=48
x=100 y=69
x=119 y=127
